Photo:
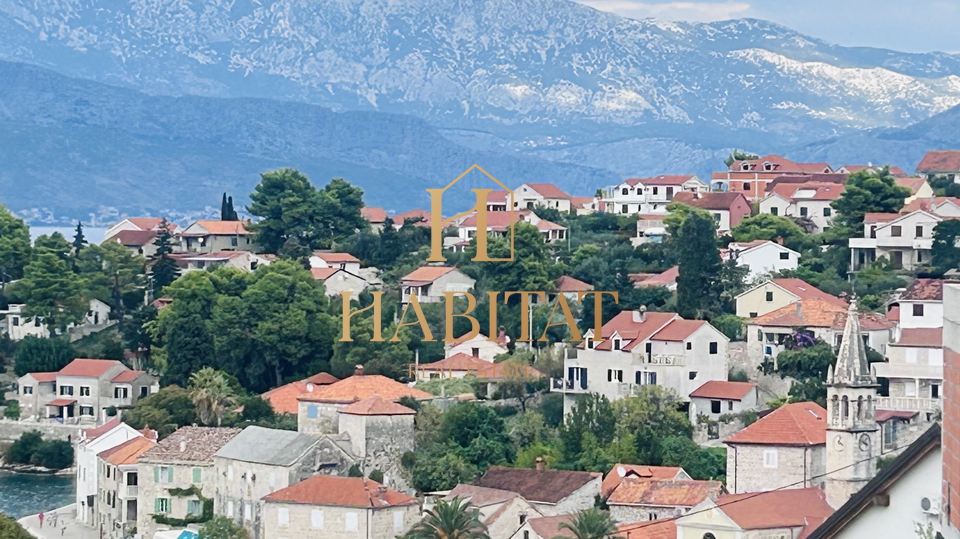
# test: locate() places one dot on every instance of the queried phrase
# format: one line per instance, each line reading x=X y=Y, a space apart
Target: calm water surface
x=28 y=494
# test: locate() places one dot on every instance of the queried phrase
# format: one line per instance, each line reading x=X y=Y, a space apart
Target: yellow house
x=777 y=293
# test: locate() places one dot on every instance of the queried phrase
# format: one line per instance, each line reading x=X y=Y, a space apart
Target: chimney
x=183 y=446
x=382 y=492
x=358 y=370
x=643 y=313
x=502 y=336
x=539 y=464
x=780 y=240
x=800 y=309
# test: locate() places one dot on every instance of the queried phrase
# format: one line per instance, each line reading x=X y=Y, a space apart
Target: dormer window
x=624 y=191
x=590 y=343
x=745 y=166
x=616 y=344
x=768 y=166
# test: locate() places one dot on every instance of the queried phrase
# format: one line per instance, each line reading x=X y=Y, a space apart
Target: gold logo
x=437 y=222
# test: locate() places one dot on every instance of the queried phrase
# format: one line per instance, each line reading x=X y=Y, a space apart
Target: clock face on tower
x=864 y=443
x=838 y=443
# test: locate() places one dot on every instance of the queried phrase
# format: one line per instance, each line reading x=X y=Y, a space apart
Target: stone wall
x=626 y=514
x=746 y=471
x=583 y=498
x=11 y=430
x=385 y=523
x=387 y=439
x=150 y=489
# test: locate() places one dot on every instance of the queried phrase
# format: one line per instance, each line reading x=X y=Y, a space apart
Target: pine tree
x=699 y=280
x=163 y=268
x=79 y=240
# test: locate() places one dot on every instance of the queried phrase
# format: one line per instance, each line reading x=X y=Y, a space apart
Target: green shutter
x=156 y=505
x=170 y=474
x=196 y=475
x=156 y=474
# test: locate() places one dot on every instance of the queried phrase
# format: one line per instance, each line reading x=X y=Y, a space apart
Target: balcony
x=923 y=243
x=563 y=385
x=129 y=492
x=863 y=243
x=911 y=404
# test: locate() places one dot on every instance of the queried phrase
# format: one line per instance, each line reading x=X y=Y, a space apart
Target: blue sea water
x=28 y=494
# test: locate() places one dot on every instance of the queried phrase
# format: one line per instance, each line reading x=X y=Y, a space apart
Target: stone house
x=139 y=242
x=544 y=528
x=501 y=511
x=176 y=478
x=719 y=397
x=648 y=195
x=92 y=442
x=637 y=500
x=283 y=399
x=779 y=514
x=479 y=346
x=762 y=257
x=940 y=163
x=776 y=293
x=804 y=200
x=257 y=462
x=380 y=432
x=551 y=492
x=530 y=195
x=641 y=471
x=644 y=348
x=727 y=209
x=785 y=449
x=336 y=281
x=337 y=508
x=429 y=283
x=83 y=391
x=117 y=486
x=208 y=236
x=17 y=326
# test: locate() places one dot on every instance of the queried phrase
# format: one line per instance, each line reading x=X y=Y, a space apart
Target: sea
x=28 y=494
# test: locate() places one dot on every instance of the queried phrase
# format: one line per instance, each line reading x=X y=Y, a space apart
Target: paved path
x=67 y=527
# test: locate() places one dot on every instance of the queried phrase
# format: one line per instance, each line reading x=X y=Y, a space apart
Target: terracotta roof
x=88 y=368
x=582 y=201
x=547 y=486
x=549 y=527
x=894 y=170
x=799 y=423
x=480 y=496
x=893 y=314
x=543 y=224
x=420 y=217
x=335 y=258
x=569 y=284
x=456 y=362
x=359 y=387
x=657 y=529
x=61 y=402
x=806 y=291
x=322 y=274
x=126 y=377
x=813 y=312
x=127 y=452
x=376 y=406
x=96 y=432
x=373 y=214
x=505 y=370
x=283 y=399
x=664 y=492
x=194 y=445
x=132 y=238
x=719 y=389
x=223 y=228
x=150 y=223
x=809 y=191
x=940 y=161
x=669 y=179
x=780 y=164
x=710 y=201
x=788 y=508
x=502 y=339
x=628 y=325
x=873 y=217
x=44 y=377
x=868 y=321
x=920 y=337
x=328 y=490
x=427 y=273
x=887 y=415
x=497 y=196
x=661 y=279
x=924 y=290
x=548 y=190
x=929 y=204
x=913 y=184
x=643 y=471
x=497 y=220
x=678 y=330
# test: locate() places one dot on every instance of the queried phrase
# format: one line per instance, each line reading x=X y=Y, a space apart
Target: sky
x=902 y=25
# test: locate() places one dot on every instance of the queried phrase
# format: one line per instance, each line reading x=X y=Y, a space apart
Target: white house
x=644 y=348
x=763 y=257
x=208 y=236
x=336 y=281
x=429 y=283
x=811 y=200
x=92 y=442
x=19 y=326
x=479 y=346
x=140 y=224
x=99 y=313
x=905 y=240
x=139 y=242
x=499 y=223
x=241 y=260
x=328 y=259
x=531 y=195
x=940 y=163
x=718 y=397
x=649 y=195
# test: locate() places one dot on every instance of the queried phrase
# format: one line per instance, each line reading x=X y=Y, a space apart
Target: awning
x=62 y=402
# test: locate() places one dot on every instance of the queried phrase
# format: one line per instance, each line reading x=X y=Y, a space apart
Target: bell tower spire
x=852 y=431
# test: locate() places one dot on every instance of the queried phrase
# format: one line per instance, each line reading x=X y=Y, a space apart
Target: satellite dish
x=621 y=471
x=309 y=388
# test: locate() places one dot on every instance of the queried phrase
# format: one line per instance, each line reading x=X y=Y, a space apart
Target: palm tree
x=211 y=394
x=449 y=520
x=591 y=524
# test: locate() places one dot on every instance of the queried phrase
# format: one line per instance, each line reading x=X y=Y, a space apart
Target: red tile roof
x=150 y=223
x=711 y=201
x=940 y=161
x=657 y=529
x=322 y=379
x=126 y=377
x=132 y=238
x=359 y=387
x=887 y=415
x=817 y=312
x=664 y=492
x=61 y=402
x=788 y=508
x=911 y=183
x=872 y=217
x=505 y=370
x=549 y=527
x=498 y=196
x=628 y=325
x=569 y=284
x=191 y=445
x=642 y=471
x=127 y=452
x=921 y=338
x=44 y=377
x=427 y=273
x=719 y=389
x=893 y=314
x=497 y=220
x=456 y=362
x=501 y=340
x=678 y=330
x=924 y=290
x=546 y=486
x=868 y=322
x=480 y=496
x=284 y=399
x=809 y=191
x=780 y=164
x=88 y=368
x=548 y=190
x=806 y=291
x=419 y=217
x=582 y=202
x=376 y=406
x=670 y=179
x=325 y=490
x=96 y=432
x=929 y=205
x=335 y=258
x=543 y=224
x=800 y=423
x=666 y=278
x=221 y=228
x=322 y=274
x=373 y=214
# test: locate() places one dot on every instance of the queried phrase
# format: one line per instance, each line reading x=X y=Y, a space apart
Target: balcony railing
x=912 y=404
x=564 y=385
x=130 y=491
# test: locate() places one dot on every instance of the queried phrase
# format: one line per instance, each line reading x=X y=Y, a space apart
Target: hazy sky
x=904 y=25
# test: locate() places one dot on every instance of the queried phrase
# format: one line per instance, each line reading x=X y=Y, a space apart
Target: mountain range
x=525 y=82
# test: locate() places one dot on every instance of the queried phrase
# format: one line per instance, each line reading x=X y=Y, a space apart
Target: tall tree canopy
x=163 y=268
x=699 y=285
x=946 y=254
x=50 y=288
x=868 y=191
x=14 y=246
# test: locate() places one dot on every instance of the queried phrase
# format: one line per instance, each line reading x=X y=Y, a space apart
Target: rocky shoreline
x=37 y=470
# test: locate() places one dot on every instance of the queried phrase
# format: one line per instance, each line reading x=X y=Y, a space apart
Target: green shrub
x=32 y=449
x=354 y=471
x=376 y=475
x=11 y=529
x=12 y=410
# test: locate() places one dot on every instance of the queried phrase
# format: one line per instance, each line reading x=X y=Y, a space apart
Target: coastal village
x=782 y=361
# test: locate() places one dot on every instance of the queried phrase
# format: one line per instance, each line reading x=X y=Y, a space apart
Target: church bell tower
x=853 y=439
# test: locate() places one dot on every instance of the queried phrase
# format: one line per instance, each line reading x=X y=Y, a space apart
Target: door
x=896 y=257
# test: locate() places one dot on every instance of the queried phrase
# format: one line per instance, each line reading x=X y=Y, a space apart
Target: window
x=656 y=190
x=709 y=535
x=934 y=391
x=616 y=344
x=312 y=411
x=273 y=479
x=827 y=212
x=715 y=407
x=623 y=191
x=713 y=348
x=784 y=256
x=350 y=522
x=398 y=521
x=919 y=231
x=316 y=518
x=770 y=458
x=283 y=517
x=194 y=507
x=769 y=296
x=475 y=352
x=16 y=321
x=745 y=186
x=66 y=390
x=774 y=211
x=197 y=476
x=233 y=241
x=590 y=343
x=895 y=231
x=161 y=505
x=163 y=474
x=729 y=405
x=118 y=392
x=803 y=211
x=918 y=309
x=27 y=390
x=692 y=375
x=689 y=346
x=614 y=375
x=86 y=411
x=132 y=478
x=247 y=511
x=753 y=315
x=230 y=472
x=526 y=534
x=84 y=391
x=230 y=509
x=646 y=378
x=623 y=208
x=143 y=391
x=716 y=217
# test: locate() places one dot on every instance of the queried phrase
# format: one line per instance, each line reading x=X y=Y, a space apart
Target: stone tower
x=853 y=440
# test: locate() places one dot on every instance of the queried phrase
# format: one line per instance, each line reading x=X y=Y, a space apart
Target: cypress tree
x=698 y=282
x=163 y=268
